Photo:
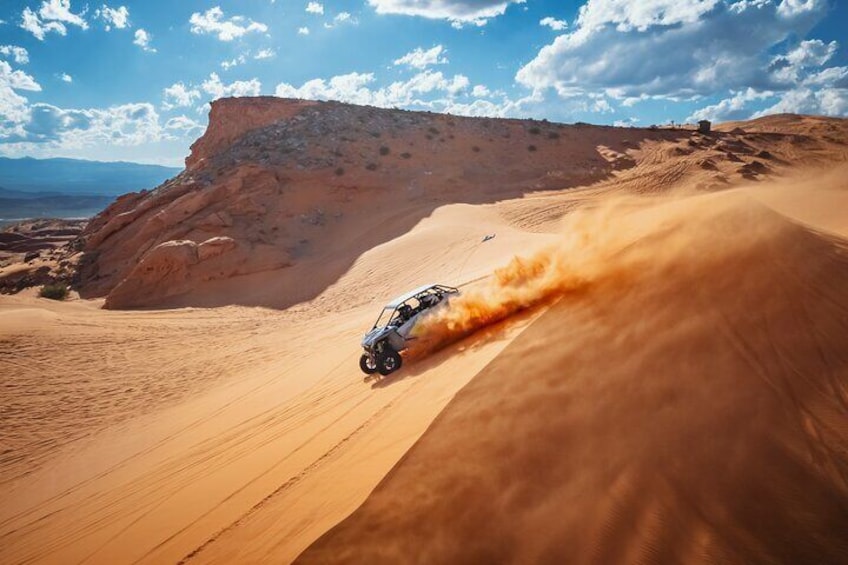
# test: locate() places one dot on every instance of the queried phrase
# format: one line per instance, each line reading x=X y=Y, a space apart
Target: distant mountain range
x=66 y=188
x=78 y=177
x=15 y=204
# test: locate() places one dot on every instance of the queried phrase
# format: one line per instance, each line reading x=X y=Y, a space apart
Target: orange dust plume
x=601 y=245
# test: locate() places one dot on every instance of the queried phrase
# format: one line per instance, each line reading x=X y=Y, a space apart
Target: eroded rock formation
x=277 y=183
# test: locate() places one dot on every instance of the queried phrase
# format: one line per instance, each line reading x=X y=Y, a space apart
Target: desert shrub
x=531 y=148
x=535 y=130
x=55 y=291
x=553 y=135
x=340 y=171
x=475 y=149
x=406 y=155
x=434 y=131
x=375 y=134
x=371 y=166
x=384 y=150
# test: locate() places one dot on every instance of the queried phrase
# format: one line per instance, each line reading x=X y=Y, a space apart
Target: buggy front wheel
x=367 y=364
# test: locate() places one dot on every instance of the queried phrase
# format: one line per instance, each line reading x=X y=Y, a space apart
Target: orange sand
x=660 y=379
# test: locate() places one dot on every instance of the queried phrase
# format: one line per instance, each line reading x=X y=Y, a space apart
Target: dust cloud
x=608 y=244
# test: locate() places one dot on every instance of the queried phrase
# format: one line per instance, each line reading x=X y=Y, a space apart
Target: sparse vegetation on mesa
x=55 y=291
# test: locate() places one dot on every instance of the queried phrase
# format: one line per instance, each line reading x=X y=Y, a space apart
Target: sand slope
x=687 y=408
x=229 y=434
x=659 y=378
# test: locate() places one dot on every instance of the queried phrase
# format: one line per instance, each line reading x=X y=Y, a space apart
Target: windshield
x=385 y=317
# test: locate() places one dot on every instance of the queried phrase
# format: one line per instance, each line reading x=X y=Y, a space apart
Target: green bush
x=55 y=291
x=384 y=150
x=340 y=171
x=534 y=130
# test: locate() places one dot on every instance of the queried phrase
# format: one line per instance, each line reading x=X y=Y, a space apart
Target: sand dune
x=685 y=402
x=652 y=367
x=236 y=416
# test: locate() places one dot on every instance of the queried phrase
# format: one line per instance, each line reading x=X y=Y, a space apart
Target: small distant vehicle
x=384 y=342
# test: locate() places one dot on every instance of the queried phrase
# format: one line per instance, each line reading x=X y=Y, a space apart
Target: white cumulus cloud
x=64 y=128
x=673 y=48
x=315 y=8
x=458 y=12
x=65 y=77
x=734 y=108
x=553 y=23
x=17 y=79
x=183 y=124
x=212 y=22
x=341 y=18
x=118 y=18
x=52 y=17
x=792 y=66
x=14 y=108
x=142 y=39
x=826 y=101
x=19 y=54
x=217 y=89
x=481 y=91
x=234 y=62
x=420 y=59
x=60 y=11
x=179 y=95
x=39 y=29
x=356 y=88
x=303 y=31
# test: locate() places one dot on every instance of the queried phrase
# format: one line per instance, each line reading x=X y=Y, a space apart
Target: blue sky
x=132 y=80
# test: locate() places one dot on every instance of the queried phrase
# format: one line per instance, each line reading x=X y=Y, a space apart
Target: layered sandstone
x=295 y=183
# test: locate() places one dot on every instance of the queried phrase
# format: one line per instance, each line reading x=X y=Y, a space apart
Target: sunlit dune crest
x=684 y=401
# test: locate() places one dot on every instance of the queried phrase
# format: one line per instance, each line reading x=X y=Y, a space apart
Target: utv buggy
x=390 y=333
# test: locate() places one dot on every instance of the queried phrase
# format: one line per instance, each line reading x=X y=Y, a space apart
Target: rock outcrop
x=291 y=183
x=38 y=252
x=230 y=118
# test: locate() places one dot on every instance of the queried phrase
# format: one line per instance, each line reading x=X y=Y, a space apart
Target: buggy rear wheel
x=389 y=362
x=368 y=366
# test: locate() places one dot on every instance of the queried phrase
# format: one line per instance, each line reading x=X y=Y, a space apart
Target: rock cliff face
x=230 y=118
x=283 y=181
x=278 y=189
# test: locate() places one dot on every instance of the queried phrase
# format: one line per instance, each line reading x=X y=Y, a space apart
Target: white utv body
x=384 y=342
